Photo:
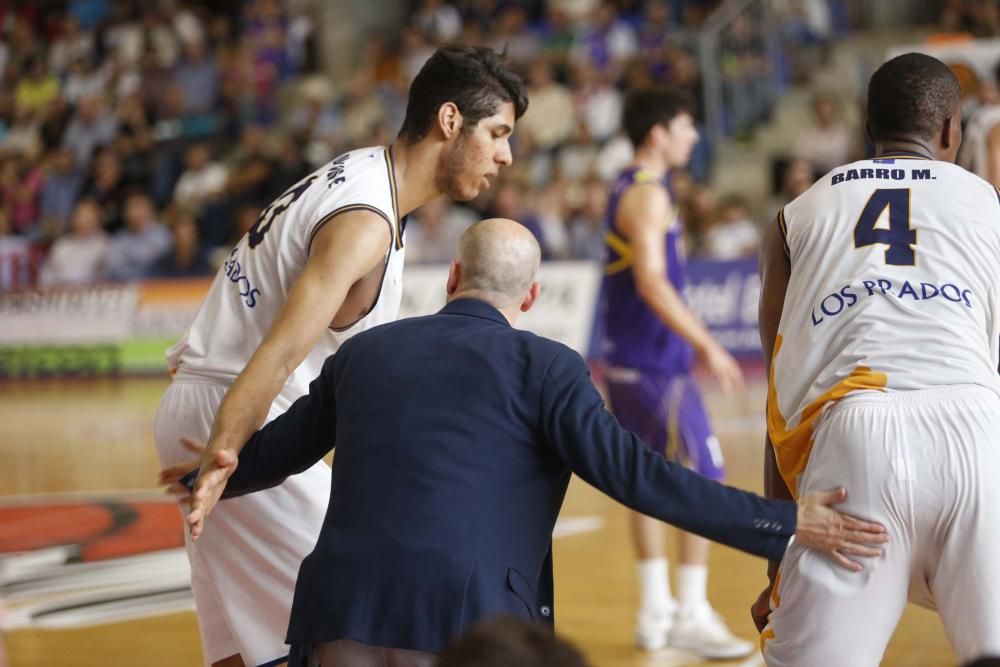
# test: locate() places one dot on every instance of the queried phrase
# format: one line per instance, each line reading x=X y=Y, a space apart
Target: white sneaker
x=703 y=631
x=652 y=627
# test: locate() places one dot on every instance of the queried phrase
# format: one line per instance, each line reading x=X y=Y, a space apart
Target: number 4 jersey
x=253 y=284
x=895 y=285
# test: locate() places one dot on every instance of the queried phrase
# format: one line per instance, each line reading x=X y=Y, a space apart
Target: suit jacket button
x=546 y=611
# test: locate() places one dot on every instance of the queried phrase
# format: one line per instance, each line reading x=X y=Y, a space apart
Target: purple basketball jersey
x=634 y=337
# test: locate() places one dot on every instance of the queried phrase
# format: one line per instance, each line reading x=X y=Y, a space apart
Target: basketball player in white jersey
x=880 y=318
x=323 y=262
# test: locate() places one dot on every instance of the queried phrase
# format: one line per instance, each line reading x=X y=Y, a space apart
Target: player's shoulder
x=358 y=179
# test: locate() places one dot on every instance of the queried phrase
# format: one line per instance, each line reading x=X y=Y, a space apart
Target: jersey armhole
x=347 y=209
x=385 y=263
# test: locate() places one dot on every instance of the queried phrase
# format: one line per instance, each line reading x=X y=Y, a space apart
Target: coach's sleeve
x=595 y=447
x=292 y=442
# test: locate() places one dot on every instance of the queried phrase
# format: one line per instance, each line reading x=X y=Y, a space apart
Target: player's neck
x=904 y=146
x=650 y=161
x=414 y=168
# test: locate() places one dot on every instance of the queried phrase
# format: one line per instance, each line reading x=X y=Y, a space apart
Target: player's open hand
x=837 y=535
x=723 y=367
x=216 y=469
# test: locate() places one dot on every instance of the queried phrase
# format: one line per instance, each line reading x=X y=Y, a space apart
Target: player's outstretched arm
x=643 y=210
x=343 y=251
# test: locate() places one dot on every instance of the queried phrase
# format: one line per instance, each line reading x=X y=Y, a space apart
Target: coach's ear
x=454 y=277
x=531 y=297
x=449 y=120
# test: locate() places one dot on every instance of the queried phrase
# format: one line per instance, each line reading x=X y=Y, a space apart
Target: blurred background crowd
x=141 y=139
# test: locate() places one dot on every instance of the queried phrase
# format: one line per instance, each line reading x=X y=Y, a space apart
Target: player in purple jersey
x=651 y=340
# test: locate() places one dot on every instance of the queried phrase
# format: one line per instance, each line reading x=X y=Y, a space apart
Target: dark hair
x=510 y=642
x=476 y=79
x=985 y=661
x=911 y=96
x=646 y=107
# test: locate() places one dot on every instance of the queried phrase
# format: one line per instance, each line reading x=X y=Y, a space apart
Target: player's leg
x=247 y=560
x=187 y=410
x=823 y=614
x=635 y=399
x=691 y=442
x=962 y=570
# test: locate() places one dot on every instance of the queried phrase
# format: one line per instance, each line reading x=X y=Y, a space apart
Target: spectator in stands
x=607 y=42
x=511 y=202
x=798 y=177
x=54 y=121
x=203 y=181
x=15 y=256
x=510 y=31
x=71 y=45
x=439 y=20
x=361 y=109
x=36 y=88
x=598 y=103
x=433 y=231
x=138 y=246
x=828 y=141
x=576 y=158
x=85 y=79
x=59 y=191
x=20 y=184
x=551 y=117
x=108 y=186
x=188 y=258
x=732 y=234
x=198 y=76
x=510 y=642
x=585 y=228
x=22 y=135
x=250 y=168
x=134 y=138
x=78 y=258
x=91 y=127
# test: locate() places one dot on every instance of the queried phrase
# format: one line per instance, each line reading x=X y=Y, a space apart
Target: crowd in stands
x=141 y=139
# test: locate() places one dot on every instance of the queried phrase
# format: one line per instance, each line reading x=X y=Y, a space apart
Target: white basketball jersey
x=251 y=287
x=895 y=272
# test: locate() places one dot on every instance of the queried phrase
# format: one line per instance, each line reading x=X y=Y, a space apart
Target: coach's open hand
x=823 y=528
x=215 y=470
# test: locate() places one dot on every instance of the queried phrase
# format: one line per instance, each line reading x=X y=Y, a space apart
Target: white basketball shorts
x=244 y=565
x=926 y=464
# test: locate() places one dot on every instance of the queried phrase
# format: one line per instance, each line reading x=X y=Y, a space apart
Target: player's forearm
x=670 y=308
x=245 y=407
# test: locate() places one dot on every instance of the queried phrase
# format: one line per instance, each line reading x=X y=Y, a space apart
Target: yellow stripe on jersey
x=397 y=226
x=624 y=251
x=793 y=445
x=900 y=156
x=764 y=636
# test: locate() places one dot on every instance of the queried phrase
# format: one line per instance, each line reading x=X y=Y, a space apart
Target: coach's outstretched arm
x=287 y=445
x=616 y=462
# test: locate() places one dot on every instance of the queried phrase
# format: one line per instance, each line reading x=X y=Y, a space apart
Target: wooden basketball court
x=85 y=437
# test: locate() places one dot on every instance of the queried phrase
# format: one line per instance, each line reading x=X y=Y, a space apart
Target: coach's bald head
x=497 y=262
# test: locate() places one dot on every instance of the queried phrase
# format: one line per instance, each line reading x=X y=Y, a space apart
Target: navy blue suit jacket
x=455 y=436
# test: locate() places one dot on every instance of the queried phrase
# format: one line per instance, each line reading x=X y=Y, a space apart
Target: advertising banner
x=126 y=328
